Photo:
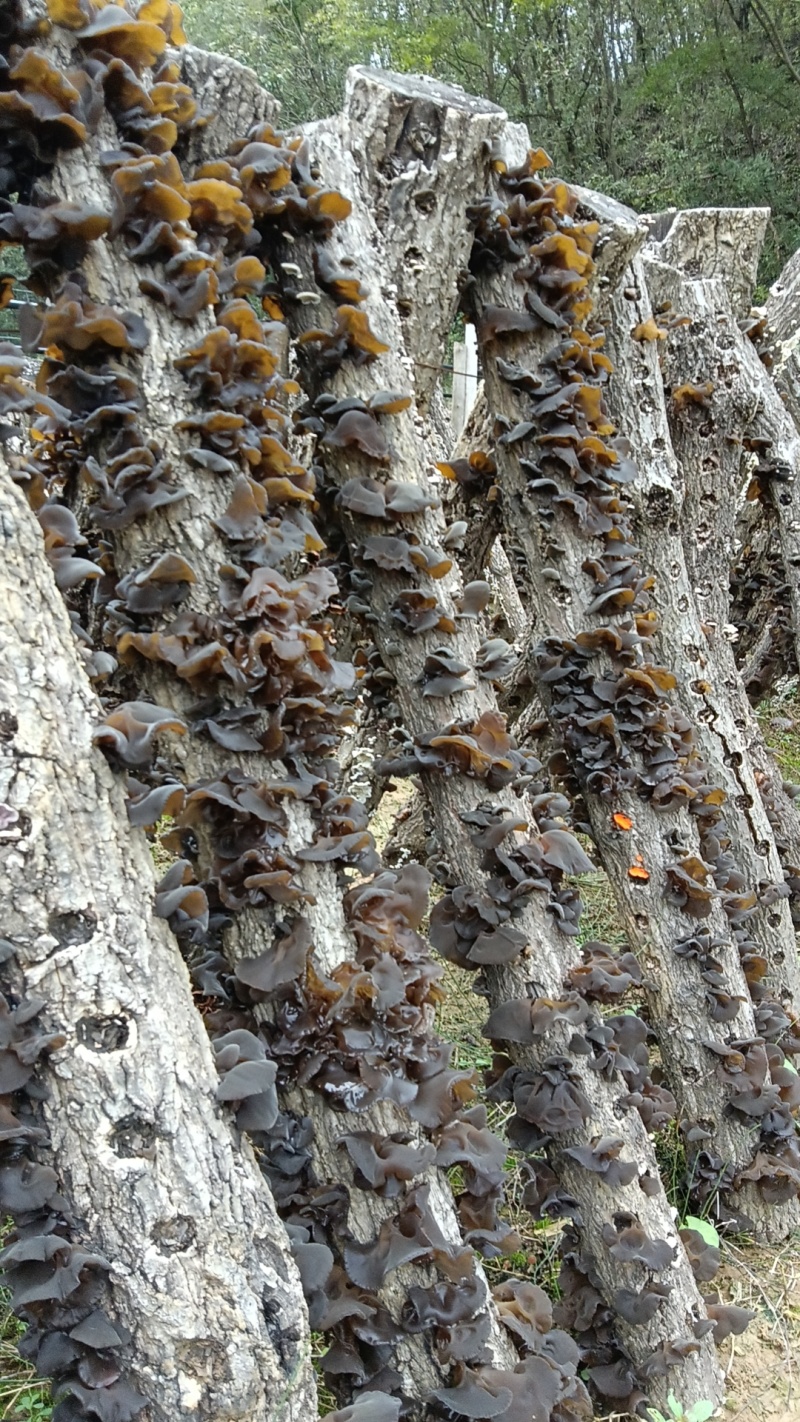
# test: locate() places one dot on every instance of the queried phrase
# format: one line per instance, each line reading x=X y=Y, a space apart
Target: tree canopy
x=659 y=104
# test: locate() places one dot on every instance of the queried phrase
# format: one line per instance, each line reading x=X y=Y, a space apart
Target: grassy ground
x=762 y=1367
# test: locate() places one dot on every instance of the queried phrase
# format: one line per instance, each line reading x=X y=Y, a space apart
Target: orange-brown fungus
x=215 y=203
x=76 y=323
x=44 y=100
x=649 y=330
x=351 y=333
x=168 y=15
x=689 y=394
x=117 y=33
x=72 y=14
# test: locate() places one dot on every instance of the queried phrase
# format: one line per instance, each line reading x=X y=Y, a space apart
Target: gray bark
x=760 y=603
x=186 y=528
x=679 y=1015
x=199 y=1256
x=541 y=969
x=705 y=242
x=707 y=443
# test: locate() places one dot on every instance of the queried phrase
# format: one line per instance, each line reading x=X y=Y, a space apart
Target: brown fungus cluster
x=524 y=858
x=621 y=737
x=58 y=1285
x=257 y=676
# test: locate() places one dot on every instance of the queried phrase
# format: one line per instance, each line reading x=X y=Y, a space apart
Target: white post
x=465 y=378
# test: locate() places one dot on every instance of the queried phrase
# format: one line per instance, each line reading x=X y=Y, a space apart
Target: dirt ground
x=763 y=1366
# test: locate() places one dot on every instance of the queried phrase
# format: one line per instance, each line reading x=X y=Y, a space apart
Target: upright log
x=153 y=1176
x=535 y=963
x=636 y=764
x=710 y=480
x=262 y=832
x=712 y=242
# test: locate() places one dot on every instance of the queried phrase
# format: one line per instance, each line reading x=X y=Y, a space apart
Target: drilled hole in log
x=103 y=1034
x=9 y=725
x=283 y=1338
x=73 y=927
x=204 y=1359
x=660 y=506
x=176 y=1235
x=134 y=1136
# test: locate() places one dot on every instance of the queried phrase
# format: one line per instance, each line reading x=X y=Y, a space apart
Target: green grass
x=23 y=1398
x=782 y=739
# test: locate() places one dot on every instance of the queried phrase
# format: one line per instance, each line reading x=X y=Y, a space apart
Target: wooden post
x=465 y=378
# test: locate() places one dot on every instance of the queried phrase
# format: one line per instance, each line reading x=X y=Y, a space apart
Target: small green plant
x=704 y=1228
x=699 y=1412
x=31 y=1406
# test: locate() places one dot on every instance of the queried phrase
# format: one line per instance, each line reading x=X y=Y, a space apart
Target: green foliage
x=32 y=1406
x=704 y=1228
x=699 y=1412
x=23 y=1398
x=662 y=103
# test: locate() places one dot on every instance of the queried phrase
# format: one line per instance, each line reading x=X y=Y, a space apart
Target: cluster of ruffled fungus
x=206 y=564
x=246 y=674
x=507 y=857
x=57 y=1284
x=630 y=753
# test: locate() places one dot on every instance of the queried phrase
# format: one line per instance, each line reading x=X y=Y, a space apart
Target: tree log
x=570 y=601
x=541 y=969
x=192 y=530
x=156 y=1176
x=706 y=242
x=711 y=481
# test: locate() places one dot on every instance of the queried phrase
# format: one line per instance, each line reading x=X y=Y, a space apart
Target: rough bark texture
x=722 y=242
x=679 y=1015
x=187 y=529
x=782 y=311
x=201 y=1272
x=761 y=608
x=706 y=440
x=416 y=159
x=541 y=969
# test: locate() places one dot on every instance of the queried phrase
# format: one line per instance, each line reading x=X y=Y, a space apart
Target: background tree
x=681 y=104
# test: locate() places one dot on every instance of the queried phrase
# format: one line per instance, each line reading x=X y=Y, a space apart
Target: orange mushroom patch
x=55 y=235
x=116 y=32
x=649 y=330
x=637 y=871
x=152 y=117
x=218 y=205
x=45 y=104
x=688 y=394
x=151 y=205
x=351 y=335
x=75 y=323
x=168 y=15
